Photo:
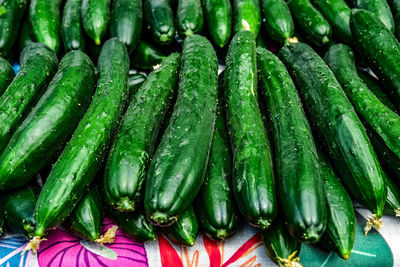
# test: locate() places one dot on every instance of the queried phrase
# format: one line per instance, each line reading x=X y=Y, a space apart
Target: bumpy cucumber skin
x=315 y=28
x=246 y=11
x=44 y=17
x=392 y=206
x=299 y=182
x=253 y=178
x=218 y=15
x=6 y=74
x=10 y=19
x=135 y=81
x=50 y=122
x=178 y=167
x=38 y=65
x=95 y=16
x=126 y=22
x=338 y=125
x=71 y=26
x=82 y=157
x=184 y=231
x=134 y=145
x=381 y=10
x=146 y=56
x=278 y=20
x=160 y=20
x=189 y=17
x=395 y=7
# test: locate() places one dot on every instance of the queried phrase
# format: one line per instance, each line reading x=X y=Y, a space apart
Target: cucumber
x=189 y=17
x=6 y=74
x=262 y=40
x=338 y=125
x=395 y=7
x=2 y=223
x=71 y=26
x=44 y=17
x=134 y=146
x=82 y=157
x=253 y=174
x=246 y=15
x=184 y=231
x=126 y=22
x=10 y=20
x=160 y=20
x=381 y=10
x=380 y=47
x=392 y=206
x=312 y=24
x=278 y=20
x=178 y=167
x=297 y=164
x=135 y=81
x=50 y=122
x=146 y=56
x=218 y=15
x=95 y=18
x=24 y=35
x=38 y=65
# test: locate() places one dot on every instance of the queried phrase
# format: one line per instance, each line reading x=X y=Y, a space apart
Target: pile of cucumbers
x=118 y=109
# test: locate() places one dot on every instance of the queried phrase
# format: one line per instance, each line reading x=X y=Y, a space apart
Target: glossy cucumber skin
x=10 y=21
x=178 y=167
x=395 y=7
x=246 y=11
x=146 y=56
x=38 y=65
x=312 y=24
x=134 y=145
x=218 y=15
x=392 y=206
x=278 y=20
x=95 y=16
x=338 y=125
x=297 y=163
x=189 y=17
x=135 y=81
x=6 y=74
x=50 y=123
x=71 y=26
x=82 y=157
x=381 y=10
x=160 y=19
x=253 y=175
x=44 y=17
x=380 y=47
x=184 y=231
x=126 y=22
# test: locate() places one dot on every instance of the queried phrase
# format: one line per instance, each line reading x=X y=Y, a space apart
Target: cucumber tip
x=125 y=205
x=97 y=41
x=164 y=38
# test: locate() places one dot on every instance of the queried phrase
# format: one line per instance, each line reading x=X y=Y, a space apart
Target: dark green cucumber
x=338 y=125
x=184 y=231
x=278 y=20
x=395 y=7
x=312 y=24
x=160 y=19
x=71 y=26
x=126 y=22
x=392 y=206
x=95 y=18
x=218 y=15
x=2 y=223
x=18 y=209
x=146 y=56
x=44 y=17
x=380 y=9
x=50 y=122
x=134 y=146
x=178 y=167
x=6 y=75
x=298 y=173
x=135 y=81
x=246 y=15
x=82 y=157
x=380 y=47
x=38 y=65
x=11 y=15
x=253 y=175
x=25 y=34
x=189 y=17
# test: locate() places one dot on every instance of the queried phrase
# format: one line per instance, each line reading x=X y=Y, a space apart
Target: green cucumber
x=126 y=22
x=38 y=65
x=50 y=122
x=253 y=174
x=189 y=17
x=392 y=206
x=246 y=15
x=184 y=231
x=11 y=12
x=312 y=24
x=380 y=9
x=44 y=17
x=395 y=7
x=178 y=167
x=6 y=75
x=135 y=81
x=95 y=18
x=2 y=223
x=338 y=125
x=134 y=145
x=218 y=15
x=160 y=20
x=71 y=26
x=146 y=56
x=25 y=34
x=298 y=172
x=380 y=47
x=82 y=157
x=278 y=20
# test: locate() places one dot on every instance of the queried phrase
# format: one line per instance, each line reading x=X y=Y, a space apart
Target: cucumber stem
x=291 y=261
x=33 y=245
x=292 y=40
x=397 y=212
x=164 y=38
x=108 y=237
x=245 y=25
x=374 y=222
